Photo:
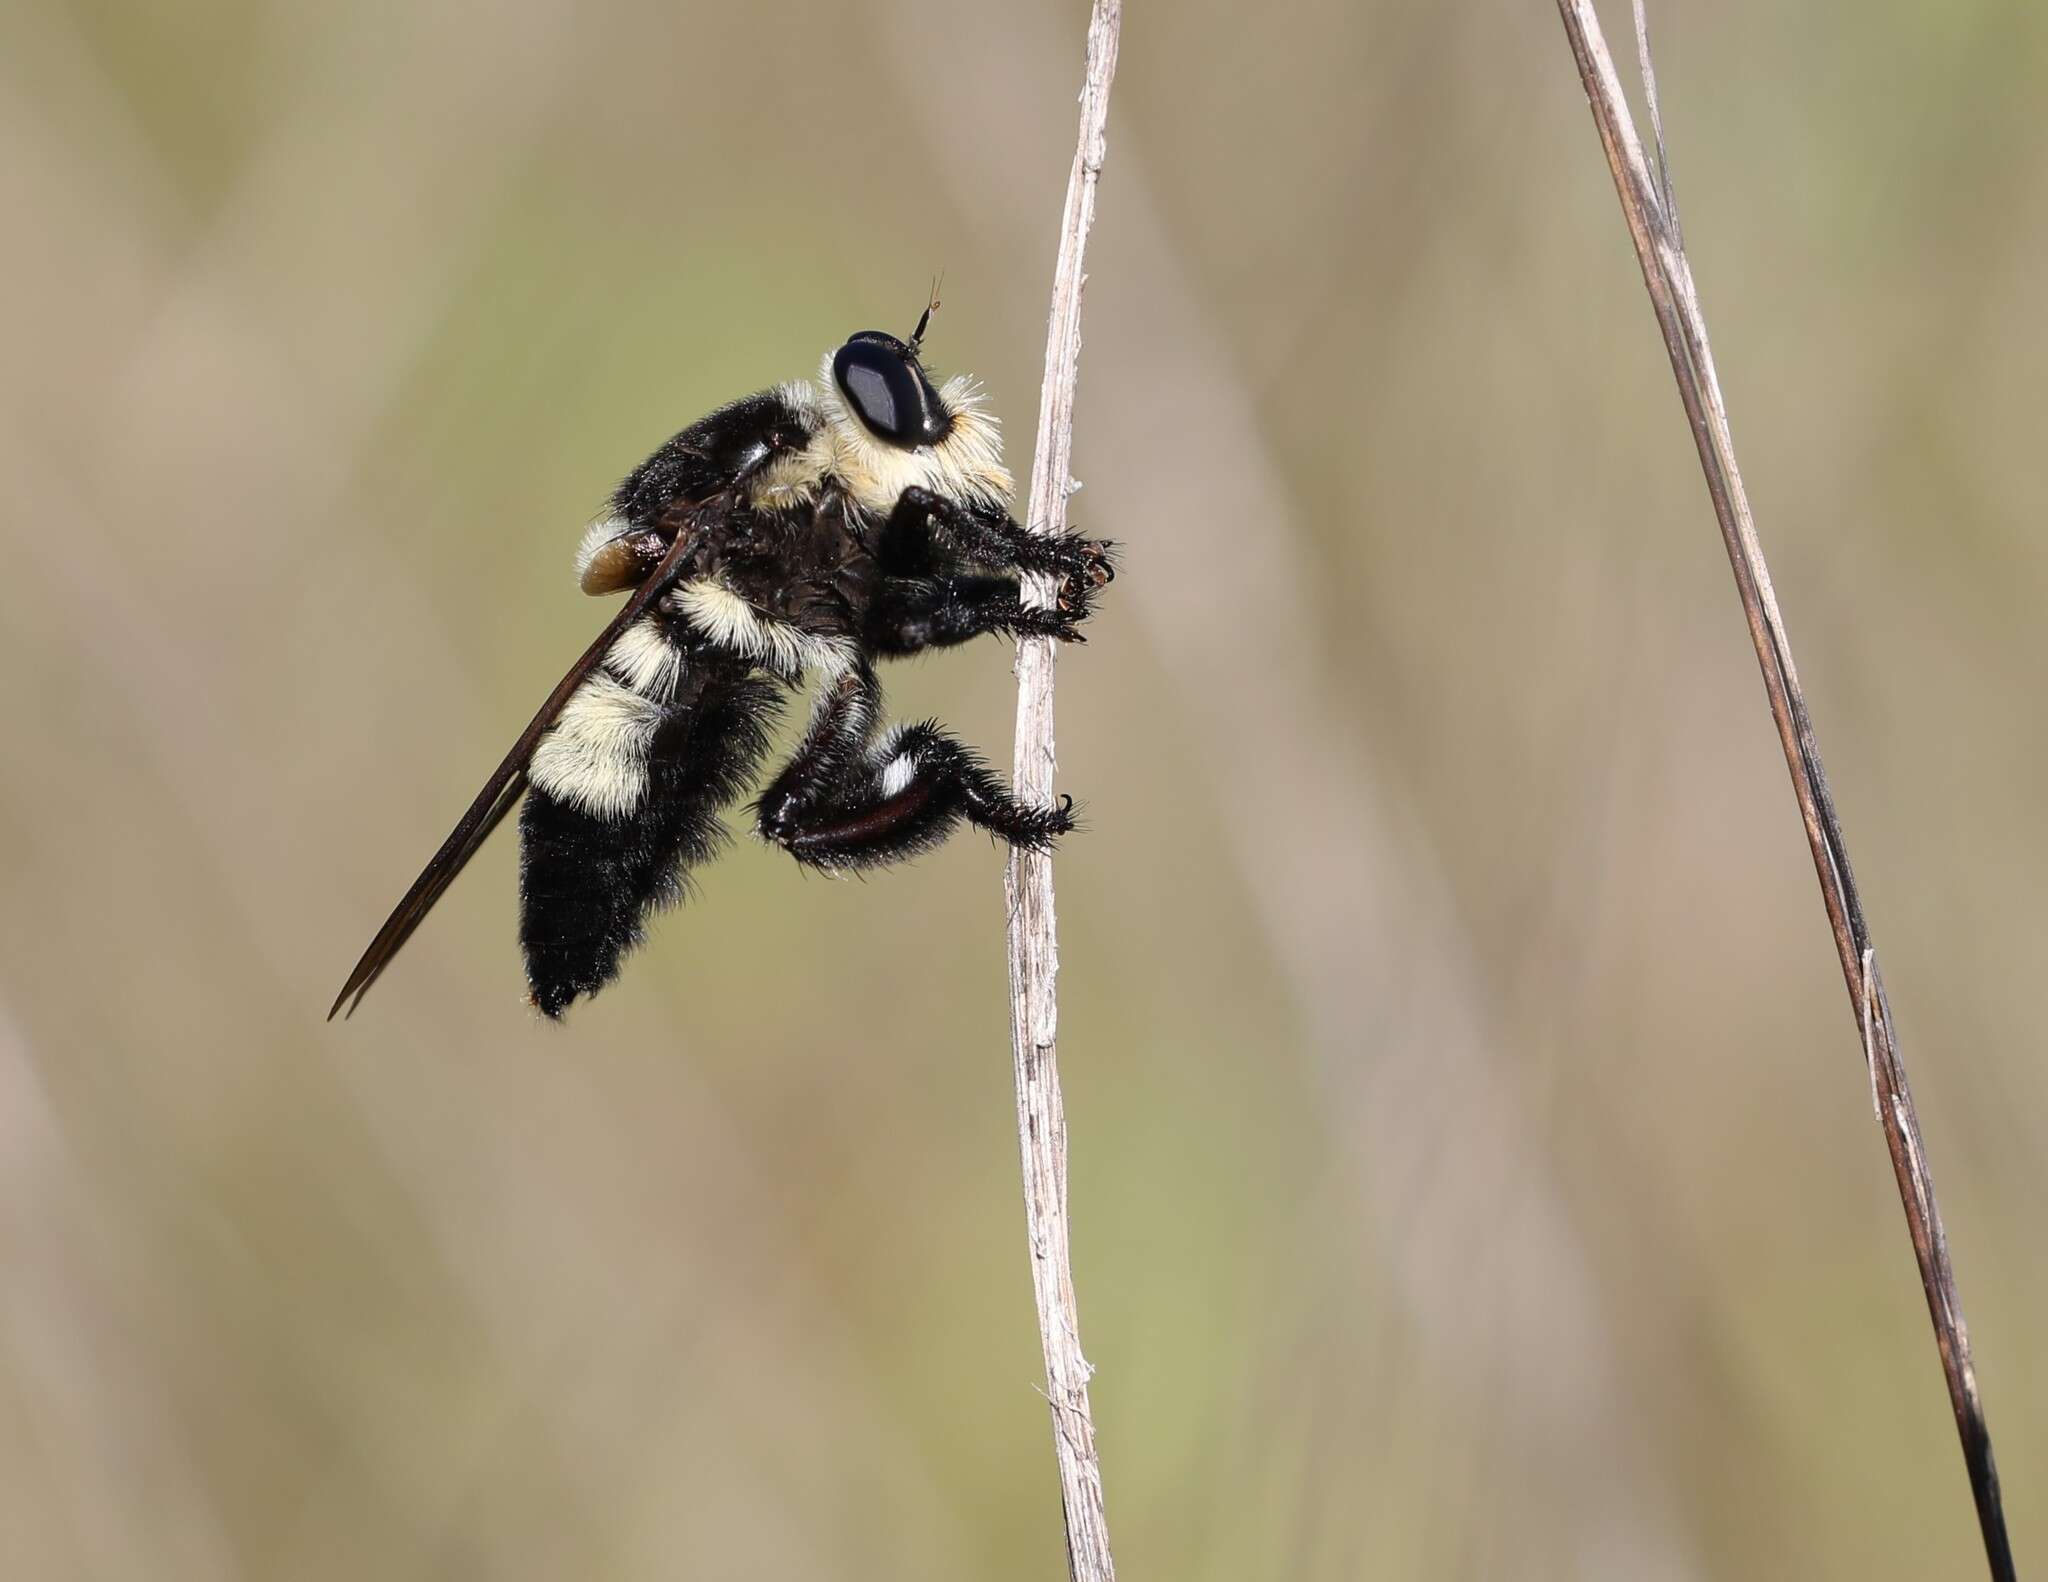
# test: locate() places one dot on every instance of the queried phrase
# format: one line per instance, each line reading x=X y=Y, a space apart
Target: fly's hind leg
x=855 y=797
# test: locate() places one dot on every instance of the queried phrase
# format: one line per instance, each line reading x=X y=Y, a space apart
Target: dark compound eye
x=888 y=391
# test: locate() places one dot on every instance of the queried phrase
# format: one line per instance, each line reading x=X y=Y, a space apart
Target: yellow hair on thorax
x=967 y=465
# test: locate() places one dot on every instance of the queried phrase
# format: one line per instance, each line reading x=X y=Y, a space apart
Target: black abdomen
x=587 y=881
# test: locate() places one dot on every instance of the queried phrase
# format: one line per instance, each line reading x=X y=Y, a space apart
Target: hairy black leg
x=587 y=881
x=843 y=723
x=909 y=615
x=851 y=800
x=994 y=538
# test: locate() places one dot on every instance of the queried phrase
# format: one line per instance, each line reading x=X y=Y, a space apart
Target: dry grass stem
x=1034 y=945
x=1652 y=217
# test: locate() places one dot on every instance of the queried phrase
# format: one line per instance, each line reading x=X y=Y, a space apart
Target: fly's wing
x=508 y=780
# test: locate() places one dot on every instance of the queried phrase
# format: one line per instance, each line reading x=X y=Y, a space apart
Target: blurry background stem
x=1652 y=216
x=1034 y=945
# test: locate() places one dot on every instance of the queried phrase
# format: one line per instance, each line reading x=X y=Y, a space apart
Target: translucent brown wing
x=508 y=780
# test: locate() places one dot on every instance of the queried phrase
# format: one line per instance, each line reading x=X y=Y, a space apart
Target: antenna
x=924 y=319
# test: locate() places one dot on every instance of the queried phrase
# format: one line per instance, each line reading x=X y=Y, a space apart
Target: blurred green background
x=1474 y=1171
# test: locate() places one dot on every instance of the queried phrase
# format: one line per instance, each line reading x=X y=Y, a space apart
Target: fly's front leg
x=909 y=615
x=994 y=538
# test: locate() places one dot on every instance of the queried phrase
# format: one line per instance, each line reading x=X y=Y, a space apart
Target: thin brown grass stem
x=1651 y=212
x=1033 y=939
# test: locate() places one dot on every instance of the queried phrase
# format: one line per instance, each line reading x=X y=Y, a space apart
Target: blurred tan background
x=1475 y=1174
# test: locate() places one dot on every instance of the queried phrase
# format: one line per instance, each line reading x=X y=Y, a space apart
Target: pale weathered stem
x=1652 y=217
x=1034 y=944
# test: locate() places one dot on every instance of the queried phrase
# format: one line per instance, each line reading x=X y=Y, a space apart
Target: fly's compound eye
x=888 y=391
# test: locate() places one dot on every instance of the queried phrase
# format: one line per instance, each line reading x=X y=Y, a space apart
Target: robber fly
x=810 y=530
